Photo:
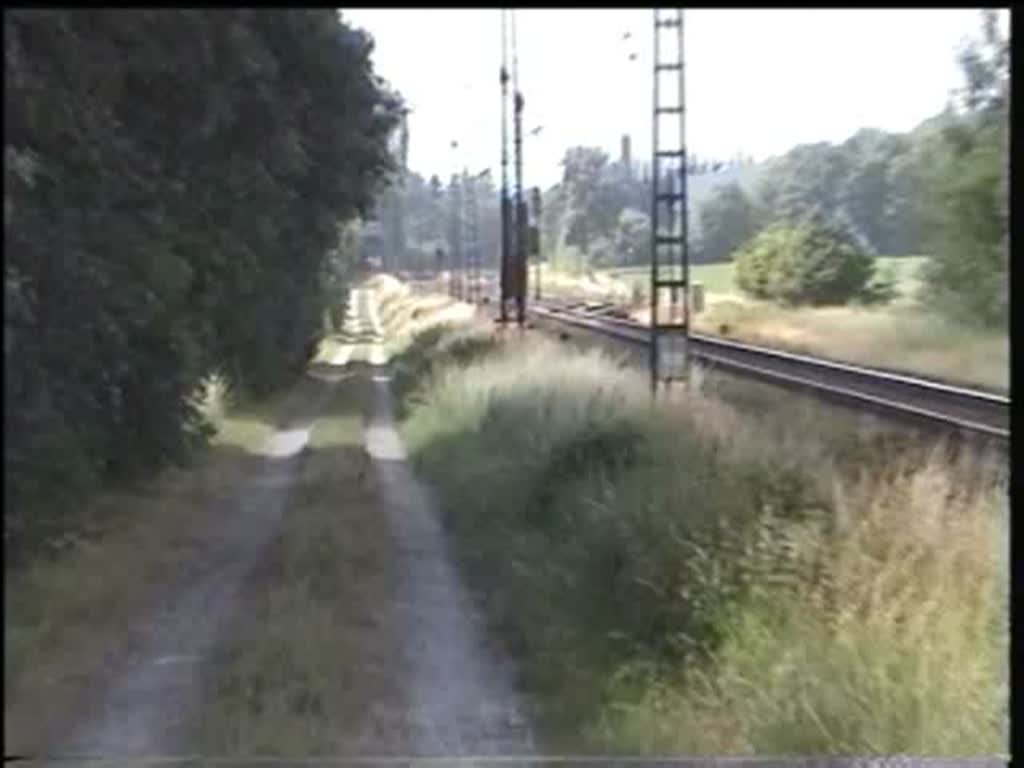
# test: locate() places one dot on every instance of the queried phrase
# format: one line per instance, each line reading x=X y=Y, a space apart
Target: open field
x=718 y=279
x=703 y=579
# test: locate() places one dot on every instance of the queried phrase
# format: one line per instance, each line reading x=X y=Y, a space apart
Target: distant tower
x=627 y=161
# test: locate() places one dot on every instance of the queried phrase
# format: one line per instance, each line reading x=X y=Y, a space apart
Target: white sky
x=758 y=81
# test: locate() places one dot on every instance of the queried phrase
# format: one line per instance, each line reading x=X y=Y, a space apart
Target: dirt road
x=144 y=705
x=461 y=695
x=457 y=695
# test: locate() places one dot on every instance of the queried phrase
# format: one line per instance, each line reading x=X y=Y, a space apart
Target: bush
x=810 y=262
x=883 y=288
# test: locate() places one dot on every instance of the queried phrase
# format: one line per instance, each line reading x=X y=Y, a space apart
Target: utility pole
x=521 y=213
x=514 y=218
x=506 y=222
x=535 y=242
x=534 y=230
x=470 y=244
x=455 y=234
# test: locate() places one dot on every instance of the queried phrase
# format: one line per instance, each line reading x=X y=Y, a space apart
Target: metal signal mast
x=520 y=272
x=513 y=208
x=670 y=257
x=506 y=246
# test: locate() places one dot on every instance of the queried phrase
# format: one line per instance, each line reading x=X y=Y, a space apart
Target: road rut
x=144 y=706
x=459 y=691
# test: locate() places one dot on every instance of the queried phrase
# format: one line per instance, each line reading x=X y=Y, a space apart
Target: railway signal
x=535 y=241
x=506 y=248
x=513 y=207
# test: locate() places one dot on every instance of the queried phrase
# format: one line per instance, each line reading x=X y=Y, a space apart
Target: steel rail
x=970 y=410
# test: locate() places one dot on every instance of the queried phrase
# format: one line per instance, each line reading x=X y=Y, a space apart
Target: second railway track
x=925 y=401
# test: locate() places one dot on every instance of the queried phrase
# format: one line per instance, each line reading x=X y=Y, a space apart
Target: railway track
x=924 y=401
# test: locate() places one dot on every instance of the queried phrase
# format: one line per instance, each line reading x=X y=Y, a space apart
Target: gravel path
x=461 y=697
x=143 y=706
x=456 y=695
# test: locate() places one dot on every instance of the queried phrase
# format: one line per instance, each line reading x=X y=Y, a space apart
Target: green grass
x=689 y=578
x=716 y=278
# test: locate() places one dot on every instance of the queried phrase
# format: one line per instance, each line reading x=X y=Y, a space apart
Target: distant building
x=627 y=156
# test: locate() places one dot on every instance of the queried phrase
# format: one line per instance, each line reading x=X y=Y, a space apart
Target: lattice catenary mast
x=670 y=258
x=513 y=208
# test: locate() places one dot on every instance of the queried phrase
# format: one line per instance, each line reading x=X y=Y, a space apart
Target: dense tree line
x=602 y=207
x=175 y=185
x=963 y=175
x=864 y=183
x=940 y=190
x=417 y=217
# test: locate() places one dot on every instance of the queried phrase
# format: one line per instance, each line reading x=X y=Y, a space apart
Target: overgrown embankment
x=682 y=578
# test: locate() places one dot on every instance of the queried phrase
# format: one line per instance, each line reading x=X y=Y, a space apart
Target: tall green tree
x=727 y=220
x=876 y=194
x=553 y=220
x=633 y=237
x=174 y=183
x=594 y=199
x=962 y=183
x=808 y=178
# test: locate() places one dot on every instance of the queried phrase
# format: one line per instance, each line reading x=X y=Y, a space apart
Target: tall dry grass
x=679 y=577
x=403 y=314
x=902 y=337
